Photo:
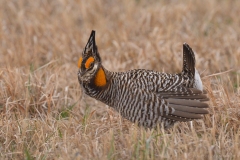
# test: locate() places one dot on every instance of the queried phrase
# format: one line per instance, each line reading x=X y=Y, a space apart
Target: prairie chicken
x=146 y=97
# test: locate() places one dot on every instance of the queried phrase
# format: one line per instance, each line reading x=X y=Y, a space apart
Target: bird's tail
x=188 y=61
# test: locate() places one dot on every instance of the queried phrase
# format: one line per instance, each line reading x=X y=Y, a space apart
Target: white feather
x=197 y=81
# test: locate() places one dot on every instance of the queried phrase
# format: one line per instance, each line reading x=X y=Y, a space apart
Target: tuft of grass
x=28 y=155
x=67 y=111
x=111 y=149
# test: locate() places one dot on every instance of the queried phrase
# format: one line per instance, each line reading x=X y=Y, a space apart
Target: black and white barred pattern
x=146 y=97
x=136 y=94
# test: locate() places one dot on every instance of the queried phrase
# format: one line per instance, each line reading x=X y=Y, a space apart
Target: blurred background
x=130 y=34
x=41 y=41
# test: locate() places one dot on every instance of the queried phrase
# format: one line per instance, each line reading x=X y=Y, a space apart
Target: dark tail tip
x=188 y=60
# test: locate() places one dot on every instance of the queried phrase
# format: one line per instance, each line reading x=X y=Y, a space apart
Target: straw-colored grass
x=43 y=113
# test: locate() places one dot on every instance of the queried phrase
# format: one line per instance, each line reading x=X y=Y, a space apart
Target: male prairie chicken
x=146 y=97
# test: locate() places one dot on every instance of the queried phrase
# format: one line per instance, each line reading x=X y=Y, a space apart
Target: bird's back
x=142 y=96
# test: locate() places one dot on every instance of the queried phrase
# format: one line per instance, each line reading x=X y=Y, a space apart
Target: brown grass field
x=43 y=113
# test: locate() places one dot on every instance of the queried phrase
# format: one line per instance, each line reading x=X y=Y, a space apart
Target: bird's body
x=146 y=97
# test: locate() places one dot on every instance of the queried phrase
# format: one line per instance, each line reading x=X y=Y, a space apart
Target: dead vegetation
x=43 y=114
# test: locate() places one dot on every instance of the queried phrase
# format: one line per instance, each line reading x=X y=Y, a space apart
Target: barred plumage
x=147 y=97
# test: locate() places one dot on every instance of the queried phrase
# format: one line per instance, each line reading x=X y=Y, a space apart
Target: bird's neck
x=102 y=77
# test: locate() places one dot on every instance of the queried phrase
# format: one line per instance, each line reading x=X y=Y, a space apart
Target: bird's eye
x=91 y=65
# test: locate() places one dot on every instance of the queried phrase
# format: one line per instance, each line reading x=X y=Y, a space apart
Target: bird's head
x=90 y=70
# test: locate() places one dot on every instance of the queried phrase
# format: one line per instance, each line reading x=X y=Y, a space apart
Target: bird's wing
x=187 y=102
x=181 y=92
x=149 y=109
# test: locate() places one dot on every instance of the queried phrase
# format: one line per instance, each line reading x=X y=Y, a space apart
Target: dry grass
x=43 y=114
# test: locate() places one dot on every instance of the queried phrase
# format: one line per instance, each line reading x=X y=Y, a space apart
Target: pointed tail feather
x=188 y=61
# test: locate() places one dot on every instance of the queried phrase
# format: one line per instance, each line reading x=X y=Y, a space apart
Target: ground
x=43 y=113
